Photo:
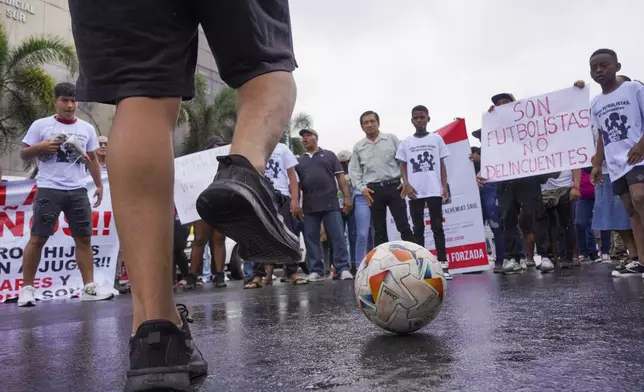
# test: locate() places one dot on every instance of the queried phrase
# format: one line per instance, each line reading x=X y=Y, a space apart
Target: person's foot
x=511 y=267
x=241 y=203
x=546 y=265
x=498 y=269
x=346 y=275
x=315 y=277
x=595 y=258
x=621 y=270
x=94 y=292
x=220 y=280
x=531 y=263
x=26 y=296
x=606 y=258
x=163 y=357
x=635 y=267
x=524 y=264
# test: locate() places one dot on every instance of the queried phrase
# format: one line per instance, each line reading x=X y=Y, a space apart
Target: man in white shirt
x=65 y=146
x=618 y=114
x=424 y=174
x=101 y=153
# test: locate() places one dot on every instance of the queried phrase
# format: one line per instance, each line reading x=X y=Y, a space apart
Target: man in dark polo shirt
x=318 y=171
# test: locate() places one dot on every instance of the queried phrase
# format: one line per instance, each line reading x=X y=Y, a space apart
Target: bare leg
x=85 y=258
x=629 y=241
x=218 y=242
x=264 y=106
x=269 y=272
x=199 y=242
x=142 y=169
x=636 y=224
x=31 y=258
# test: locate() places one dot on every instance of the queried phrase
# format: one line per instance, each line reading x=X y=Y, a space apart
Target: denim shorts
x=49 y=203
x=609 y=212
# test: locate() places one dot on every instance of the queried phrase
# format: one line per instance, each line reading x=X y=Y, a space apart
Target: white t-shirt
x=619 y=116
x=423 y=157
x=279 y=162
x=563 y=181
x=58 y=171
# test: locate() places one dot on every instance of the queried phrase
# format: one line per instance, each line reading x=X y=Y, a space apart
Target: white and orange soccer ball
x=400 y=286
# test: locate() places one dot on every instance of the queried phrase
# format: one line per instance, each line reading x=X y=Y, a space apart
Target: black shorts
x=49 y=203
x=148 y=48
x=635 y=176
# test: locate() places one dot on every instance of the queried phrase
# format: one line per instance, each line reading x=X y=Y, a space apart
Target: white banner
x=538 y=135
x=192 y=175
x=58 y=275
x=462 y=216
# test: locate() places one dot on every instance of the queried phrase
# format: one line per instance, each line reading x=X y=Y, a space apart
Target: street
x=578 y=330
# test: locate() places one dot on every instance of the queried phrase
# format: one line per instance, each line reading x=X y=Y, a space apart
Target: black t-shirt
x=317 y=181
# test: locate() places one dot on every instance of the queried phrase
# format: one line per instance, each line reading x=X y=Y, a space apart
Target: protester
x=618 y=114
x=517 y=196
x=66 y=148
x=583 y=223
x=376 y=173
x=101 y=153
x=280 y=169
x=318 y=171
x=350 y=226
x=558 y=195
x=424 y=175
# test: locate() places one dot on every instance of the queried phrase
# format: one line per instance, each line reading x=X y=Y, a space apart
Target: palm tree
x=26 y=90
x=295 y=125
x=205 y=119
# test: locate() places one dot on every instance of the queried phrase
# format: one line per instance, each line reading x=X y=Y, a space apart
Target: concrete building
x=25 y=18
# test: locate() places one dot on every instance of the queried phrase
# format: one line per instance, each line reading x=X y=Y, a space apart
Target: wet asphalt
x=577 y=330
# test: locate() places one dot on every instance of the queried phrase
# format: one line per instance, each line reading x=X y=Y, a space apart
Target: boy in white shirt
x=66 y=147
x=618 y=114
x=424 y=174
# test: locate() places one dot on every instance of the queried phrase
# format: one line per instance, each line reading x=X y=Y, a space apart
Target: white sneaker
x=511 y=267
x=606 y=258
x=546 y=265
x=446 y=274
x=524 y=264
x=315 y=277
x=94 y=292
x=26 y=296
x=346 y=275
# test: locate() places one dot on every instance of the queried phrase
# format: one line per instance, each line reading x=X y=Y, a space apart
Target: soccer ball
x=400 y=286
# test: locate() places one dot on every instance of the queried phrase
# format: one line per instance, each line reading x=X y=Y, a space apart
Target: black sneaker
x=242 y=204
x=621 y=270
x=164 y=357
x=220 y=280
x=635 y=267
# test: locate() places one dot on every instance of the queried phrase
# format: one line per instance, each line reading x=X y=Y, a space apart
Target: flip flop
x=300 y=282
x=253 y=285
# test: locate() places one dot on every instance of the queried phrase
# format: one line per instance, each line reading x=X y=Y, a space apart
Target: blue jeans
x=249 y=274
x=490 y=209
x=585 y=235
x=333 y=225
x=364 y=233
x=350 y=227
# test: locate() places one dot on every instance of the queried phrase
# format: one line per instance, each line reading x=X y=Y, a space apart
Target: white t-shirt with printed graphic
x=279 y=162
x=62 y=171
x=619 y=116
x=423 y=157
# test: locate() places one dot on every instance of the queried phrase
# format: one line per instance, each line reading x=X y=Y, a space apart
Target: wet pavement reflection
x=569 y=331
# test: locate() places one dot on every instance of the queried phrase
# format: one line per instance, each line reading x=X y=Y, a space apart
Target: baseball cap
x=477 y=134
x=344 y=156
x=501 y=96
x=309 y=130
x=214 y=140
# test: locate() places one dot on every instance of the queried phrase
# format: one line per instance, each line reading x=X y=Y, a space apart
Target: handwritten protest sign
x=192 y=175
x=538 y=135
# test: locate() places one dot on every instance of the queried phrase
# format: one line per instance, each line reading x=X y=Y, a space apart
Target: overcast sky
x=449 y=55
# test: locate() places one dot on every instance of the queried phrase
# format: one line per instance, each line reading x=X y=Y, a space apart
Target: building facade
x=26 y=18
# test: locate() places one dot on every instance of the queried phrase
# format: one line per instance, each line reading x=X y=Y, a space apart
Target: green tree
x=26 y=90
x=207 y=119
x=294 y=126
